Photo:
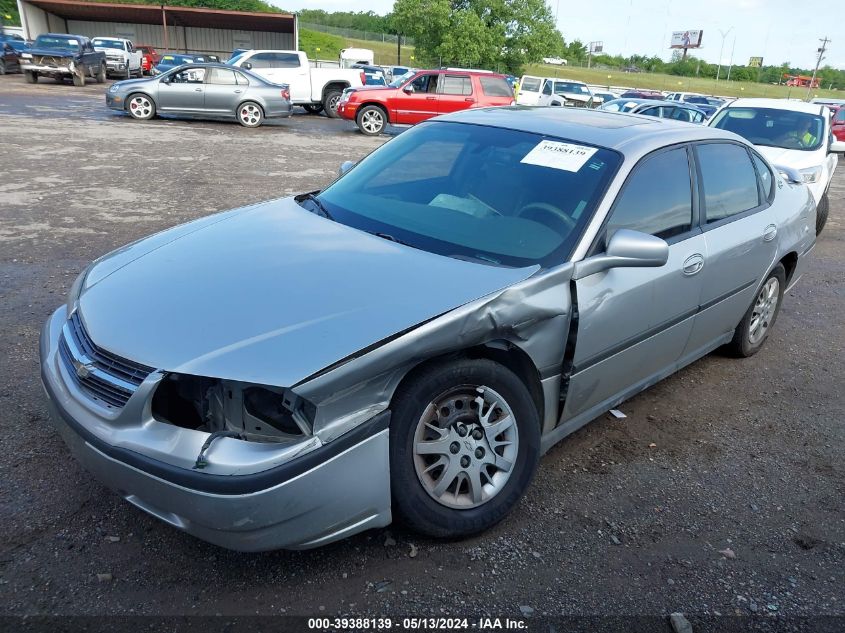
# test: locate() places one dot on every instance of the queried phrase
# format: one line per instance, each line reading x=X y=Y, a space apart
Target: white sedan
x=790 y=134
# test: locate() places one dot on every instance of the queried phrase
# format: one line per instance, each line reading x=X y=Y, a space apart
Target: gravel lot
x=721 y=493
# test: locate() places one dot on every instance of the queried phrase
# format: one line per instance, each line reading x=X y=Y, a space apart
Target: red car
x=420 y=95
x=837 y=122
x=149 y=58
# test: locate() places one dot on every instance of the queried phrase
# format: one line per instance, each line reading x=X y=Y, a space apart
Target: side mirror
x=246 y=66
x=409 y=89
x=791 y=174
x=345 y=166
x=626 y=249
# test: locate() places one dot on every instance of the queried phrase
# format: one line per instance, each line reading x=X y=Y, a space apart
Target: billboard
x=755 y=62
x=686 y=39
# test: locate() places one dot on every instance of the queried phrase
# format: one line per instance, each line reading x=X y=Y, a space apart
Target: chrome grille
x=103 y=375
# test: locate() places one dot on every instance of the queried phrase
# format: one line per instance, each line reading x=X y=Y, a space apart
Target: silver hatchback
x=410 y=340
x=202 y=90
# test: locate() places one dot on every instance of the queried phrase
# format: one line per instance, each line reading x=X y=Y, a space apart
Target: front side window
x=262 y=60
x=455 y=85
x=547 y=88
x=567 y=87
x=655 y=111
x=285 y=60
x=492 y=195
x=189 y=76
x=657 y=199
x=729 y=180
x=425 y=83
x=773 y=127
x=102 y=42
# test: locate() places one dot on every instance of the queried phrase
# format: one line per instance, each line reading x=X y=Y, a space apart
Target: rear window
x=495 y=87
x=530 y=84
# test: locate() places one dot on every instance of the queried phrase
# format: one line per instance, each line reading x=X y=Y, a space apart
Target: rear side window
x=766 y=178
x=495 y=87
x=729 y=180
x=242 y=80
x=657 y=199
x=455 y=85
x=221 y=77
x=650 y=111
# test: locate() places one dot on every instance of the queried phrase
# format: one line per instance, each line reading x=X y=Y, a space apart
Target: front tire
x=330 y=103
x=79 y=76
x=313 y=108
x=30 y=76
x=2 y=66
x=101 y=74
x=754 y=329
x=250 y=114
x=464 y=445
x=140 y=107
x=822 y=211
x=371 y=120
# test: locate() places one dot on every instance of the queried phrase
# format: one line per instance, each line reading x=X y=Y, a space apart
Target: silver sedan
x=215 y=90
x=407 y=342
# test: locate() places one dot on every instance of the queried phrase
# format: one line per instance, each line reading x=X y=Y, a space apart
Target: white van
x=351 y=56
x=529 y=90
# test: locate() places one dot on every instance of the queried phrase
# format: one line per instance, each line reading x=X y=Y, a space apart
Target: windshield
x=564 y=87
x=401 y=79
x=102 y=43
x=493 y=195
x=773 y=127
x=58 y=43
x=234 y=60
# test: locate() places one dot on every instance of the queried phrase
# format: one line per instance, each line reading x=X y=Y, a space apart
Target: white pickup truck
x=313 y=88
x=122 y=59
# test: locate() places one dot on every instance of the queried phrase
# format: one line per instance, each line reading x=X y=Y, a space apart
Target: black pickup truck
x=60 y=56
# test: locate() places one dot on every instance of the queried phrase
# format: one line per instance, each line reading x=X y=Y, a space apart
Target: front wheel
x=464 y=445
x=30 y=76
x=330 y=103
x=141 y=107
x=313 y=108
x=79 y=76
x=371 y=120
x=755 y=326
x=250 y=114
x=822 y=211
x=2 y=66
x=101 y=74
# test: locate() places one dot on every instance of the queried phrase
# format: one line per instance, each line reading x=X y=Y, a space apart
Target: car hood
x=799 y=159
x=52 y=52
x=269 y=294
x=126 y=84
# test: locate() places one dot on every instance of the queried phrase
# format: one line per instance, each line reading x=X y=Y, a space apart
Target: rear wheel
x=30 y=76
x=822 y=211
x=330 y=103
x=371 y=120
x=313 y=108
x=464 y=445
x=755 y=326
x=140 y=107
x=250 y=114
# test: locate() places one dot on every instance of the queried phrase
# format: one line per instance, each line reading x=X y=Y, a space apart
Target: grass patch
x=330 y=45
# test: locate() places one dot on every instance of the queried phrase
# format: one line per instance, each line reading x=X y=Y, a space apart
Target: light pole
x=724 y=34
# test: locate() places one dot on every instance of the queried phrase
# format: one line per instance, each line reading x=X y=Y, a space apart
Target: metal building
x=173 y=29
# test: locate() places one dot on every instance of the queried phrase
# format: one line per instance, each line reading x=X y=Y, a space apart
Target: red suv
x=420 y=95
x=837 y=121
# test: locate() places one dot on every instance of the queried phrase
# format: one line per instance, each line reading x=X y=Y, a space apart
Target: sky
x=778 y=30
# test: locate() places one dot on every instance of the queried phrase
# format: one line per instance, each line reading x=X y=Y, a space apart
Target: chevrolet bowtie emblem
x=82 y=370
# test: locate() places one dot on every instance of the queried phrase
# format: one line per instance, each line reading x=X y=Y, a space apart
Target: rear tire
x=140 y=106
x=371 y=120
x=457 y=467
x=250 y=114
x=313 y=108
x=330 y=103
x=754 y=329
x=822 y=211
x=30 y=76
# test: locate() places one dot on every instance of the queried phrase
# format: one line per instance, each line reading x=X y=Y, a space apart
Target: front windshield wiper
x=389 y=237
x=311 y=196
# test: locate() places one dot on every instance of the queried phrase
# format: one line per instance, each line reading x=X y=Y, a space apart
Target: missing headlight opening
x=256 y=413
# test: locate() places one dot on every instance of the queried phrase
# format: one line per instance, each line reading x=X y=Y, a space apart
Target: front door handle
x=197 y=89
x=693 y=264
x=237 y=92
x=770 y=233
x=430 y=98
x=469 y=100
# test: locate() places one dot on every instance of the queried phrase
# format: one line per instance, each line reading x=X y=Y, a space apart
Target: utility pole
x=724 y=34
x=733 y=48
x=819 y=59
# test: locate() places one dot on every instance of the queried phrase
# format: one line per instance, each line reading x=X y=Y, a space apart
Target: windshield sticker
x=557 y=155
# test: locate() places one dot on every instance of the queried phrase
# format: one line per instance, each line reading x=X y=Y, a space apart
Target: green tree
x=503 y=34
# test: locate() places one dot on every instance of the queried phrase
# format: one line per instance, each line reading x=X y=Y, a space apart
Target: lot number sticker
x=557 y=155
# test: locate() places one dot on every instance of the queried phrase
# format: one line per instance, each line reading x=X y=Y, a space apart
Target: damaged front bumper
x=254 y=496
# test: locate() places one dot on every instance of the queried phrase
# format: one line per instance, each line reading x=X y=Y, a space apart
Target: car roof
x=630 y=134
x=777 y=104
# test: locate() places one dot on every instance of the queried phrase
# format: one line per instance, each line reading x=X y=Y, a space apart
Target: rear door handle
x=430 y=98
x=770 y=233
x=469 y=100
x=693 y=264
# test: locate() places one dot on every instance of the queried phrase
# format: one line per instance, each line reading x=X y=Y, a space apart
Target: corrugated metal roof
x=176 y=16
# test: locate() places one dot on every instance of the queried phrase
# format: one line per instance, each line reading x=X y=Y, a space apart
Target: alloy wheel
x=140 y=107
x=763 y=311
x=249 y=114
x=465 y=446
x=372 y=121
